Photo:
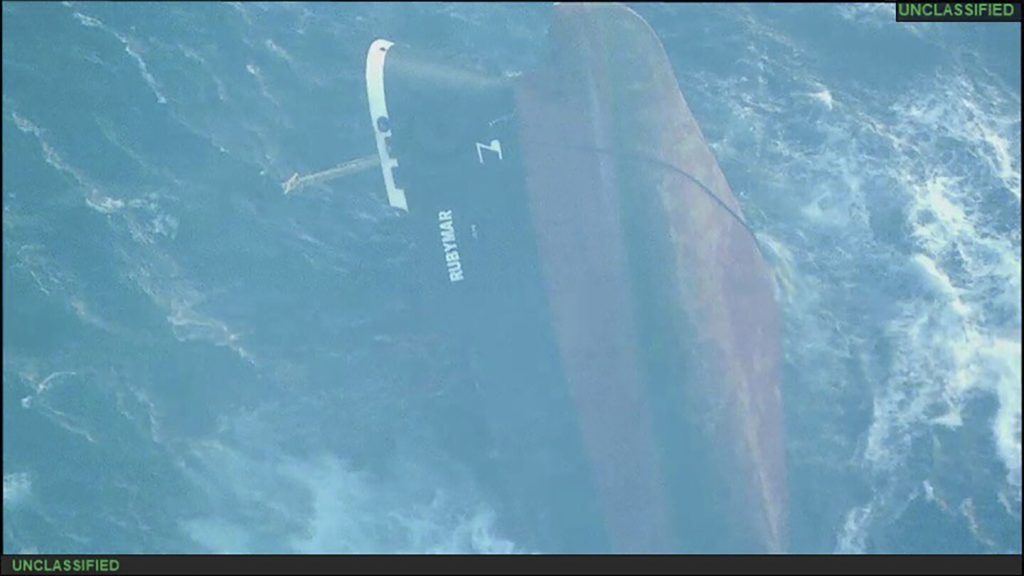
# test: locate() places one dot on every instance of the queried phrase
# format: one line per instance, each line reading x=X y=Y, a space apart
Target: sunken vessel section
x=581 y=251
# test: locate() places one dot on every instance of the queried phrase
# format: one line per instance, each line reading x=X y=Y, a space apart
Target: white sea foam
x=853 y=532
x=105 y=204
x=90 y=22
x=142 y=219
x=187 y=324
x=871 y=13
x=40 y=400
x=257 y=73
x=877 y=15
x=17 y=487
x=985 y=267
x=68 y=422
x=87 y=21
x=944 y=156
x=94 y=198
x=348 y=516
x=144 y=70
x=278 y=51
x=322 y=505
x=50 y=155
x=180 y=301
x=130 y=399
x=193 y=55
x=822 y=94
x=33 y=259
x=43 y=385
x=963 y=338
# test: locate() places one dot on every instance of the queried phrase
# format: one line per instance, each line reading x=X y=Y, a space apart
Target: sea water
x=193 y=361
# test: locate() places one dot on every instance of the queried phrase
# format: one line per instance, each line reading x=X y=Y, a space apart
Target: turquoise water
x=194 y=362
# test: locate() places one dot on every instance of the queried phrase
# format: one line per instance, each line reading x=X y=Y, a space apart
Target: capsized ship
x=581 y=250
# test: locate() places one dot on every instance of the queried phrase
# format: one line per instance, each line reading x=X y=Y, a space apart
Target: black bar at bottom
x=557 y=564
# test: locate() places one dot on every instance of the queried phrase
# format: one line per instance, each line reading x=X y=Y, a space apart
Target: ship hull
x=583 y=255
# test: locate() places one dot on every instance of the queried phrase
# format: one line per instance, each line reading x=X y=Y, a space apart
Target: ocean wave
x=901 y=277
x=140 y=63
x=180 y=300
x=973 y=267
x=143 y=216
x=17 y=488
x=960 y=337
x=322 y=505
x=261 y=81
x=875 y=14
